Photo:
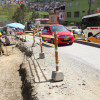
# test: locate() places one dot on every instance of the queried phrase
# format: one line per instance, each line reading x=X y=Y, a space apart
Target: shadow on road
x=60 y=45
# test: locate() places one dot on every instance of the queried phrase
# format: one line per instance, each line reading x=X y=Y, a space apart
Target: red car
x=19 y=32
x=64 y=36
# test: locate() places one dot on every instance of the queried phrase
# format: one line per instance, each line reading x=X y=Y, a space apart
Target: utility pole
x=89 y=12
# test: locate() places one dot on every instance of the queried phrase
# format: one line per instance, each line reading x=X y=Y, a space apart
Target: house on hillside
x=61 y=11
x=53 y=16
x=57 y=15
x=41 y=22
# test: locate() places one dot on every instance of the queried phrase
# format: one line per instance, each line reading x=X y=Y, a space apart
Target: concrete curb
x=88 y=43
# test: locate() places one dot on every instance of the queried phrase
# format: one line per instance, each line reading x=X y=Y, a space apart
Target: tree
x=21 y=14
x=35 y=15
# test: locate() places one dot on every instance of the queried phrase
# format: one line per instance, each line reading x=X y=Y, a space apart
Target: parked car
x=19 y=32
x=40 y=29
x=71 y=27
x=78 y=34
x=95 y=38
x=64 y=36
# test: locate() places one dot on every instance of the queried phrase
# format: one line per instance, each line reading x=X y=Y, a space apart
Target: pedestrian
x=1 y=42
x=7 y=41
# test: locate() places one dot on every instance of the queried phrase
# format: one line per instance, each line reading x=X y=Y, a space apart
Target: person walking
x=1 y=42
x=7 y=41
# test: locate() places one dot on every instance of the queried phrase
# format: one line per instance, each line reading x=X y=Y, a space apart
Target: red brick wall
x=53 y=18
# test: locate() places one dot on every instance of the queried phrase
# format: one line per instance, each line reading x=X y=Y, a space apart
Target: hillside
x=6 y=12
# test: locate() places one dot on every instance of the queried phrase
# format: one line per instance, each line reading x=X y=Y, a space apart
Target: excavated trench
x=28 y=90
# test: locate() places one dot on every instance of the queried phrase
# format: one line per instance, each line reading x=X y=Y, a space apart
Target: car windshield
x=77 y=31
x=58 y=28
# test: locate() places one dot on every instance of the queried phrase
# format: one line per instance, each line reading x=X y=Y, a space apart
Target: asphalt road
x=80 y=66
x=82 y=53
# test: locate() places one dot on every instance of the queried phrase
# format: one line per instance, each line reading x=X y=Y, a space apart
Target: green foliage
x=35 y=15
x=20 y=14
x=43 y=13
x=23 y=14
x=38 y=14
x=6 y=12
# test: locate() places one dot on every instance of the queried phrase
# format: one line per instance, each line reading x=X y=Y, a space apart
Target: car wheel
x=90 y=34
x=89 y=41
x=71 y=43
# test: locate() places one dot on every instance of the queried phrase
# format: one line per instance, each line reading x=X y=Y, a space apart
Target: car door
x=46 y=31
x=97 y=40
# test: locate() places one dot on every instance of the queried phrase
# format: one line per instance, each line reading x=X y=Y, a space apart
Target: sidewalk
x=10 y=81
x=81 y=82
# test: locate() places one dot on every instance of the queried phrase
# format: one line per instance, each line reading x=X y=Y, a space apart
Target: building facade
x=53 y=18
x=61 y=11
x=57 y=15
x=76 y=9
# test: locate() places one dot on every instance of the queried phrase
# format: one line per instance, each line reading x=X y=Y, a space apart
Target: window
x=58 y=19
x=58 y=28
x=52 y=19
x=77 y=3
x=46 y=28
x=98 y=35
x=76 y=14
x=77 y=31
x=69 y=5
x=92 y=21
x=68 y=14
